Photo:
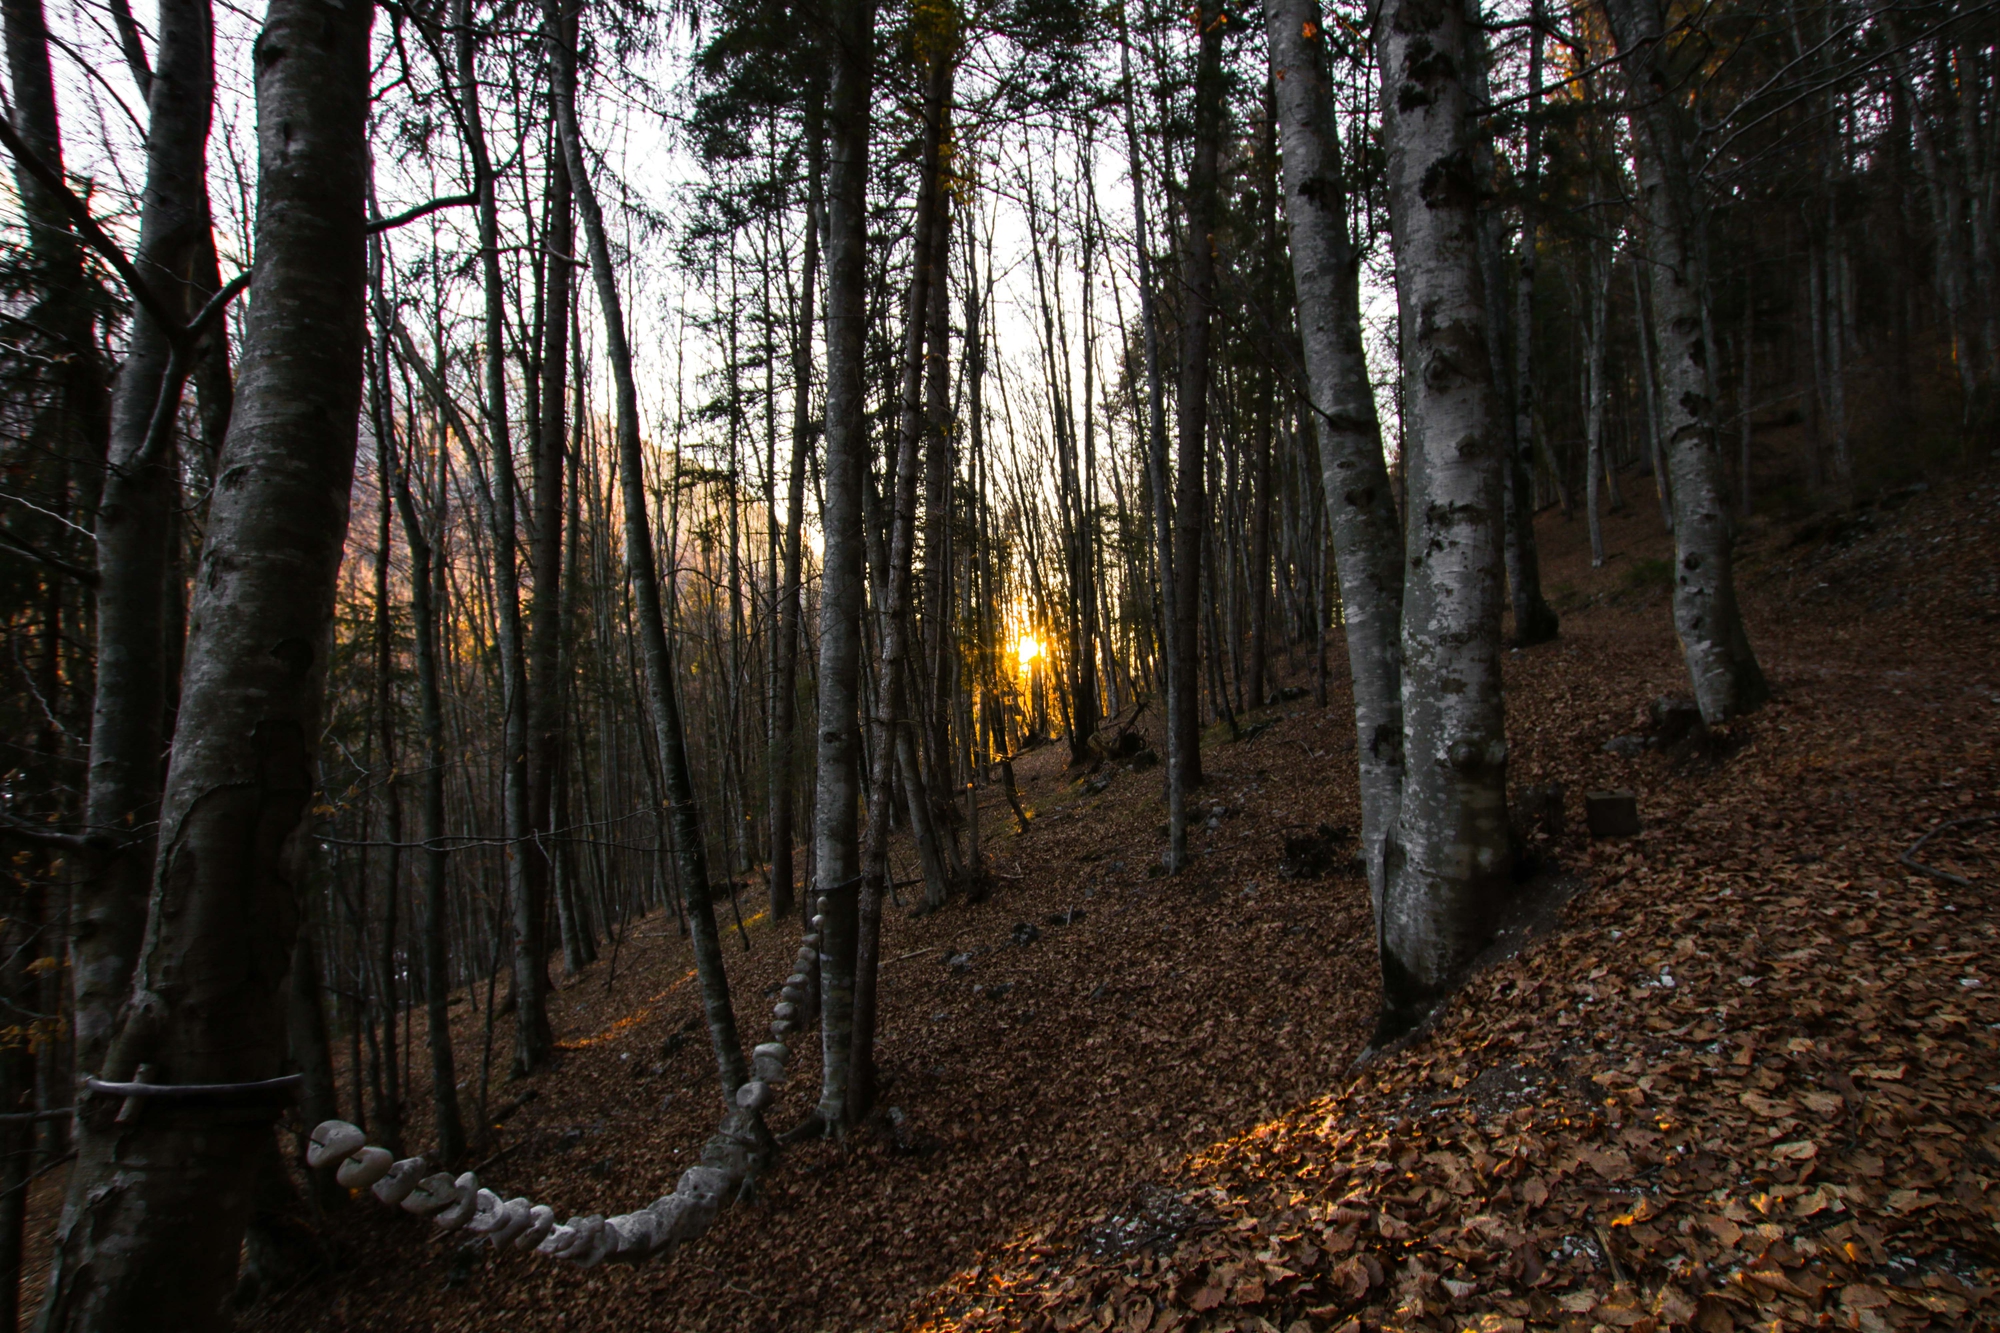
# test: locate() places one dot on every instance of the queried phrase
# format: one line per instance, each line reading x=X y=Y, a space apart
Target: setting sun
x=1028 y=650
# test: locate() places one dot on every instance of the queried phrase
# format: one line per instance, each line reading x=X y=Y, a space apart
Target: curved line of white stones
x=729 y=1160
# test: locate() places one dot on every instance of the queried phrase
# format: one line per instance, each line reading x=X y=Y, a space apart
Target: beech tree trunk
x=1156 y=466
x=1361 y=510
x=836 y=822
x=156 y=1208
x=1190 y=497
x=1597 y=274
x=1448 y=866
x=894 y=617
x=1721 y=665
x=545 y=681
x=784 y=697
x=135 y=522
x=1535 y=620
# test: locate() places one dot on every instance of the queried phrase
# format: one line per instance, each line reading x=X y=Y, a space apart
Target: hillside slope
x=1129 y=1103
x=1749 y=1083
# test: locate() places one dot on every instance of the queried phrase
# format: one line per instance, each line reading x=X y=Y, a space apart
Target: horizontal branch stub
x=29 y=1117
x=262 y=1088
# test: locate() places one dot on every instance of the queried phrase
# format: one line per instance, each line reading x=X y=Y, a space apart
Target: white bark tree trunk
x=1721 y=666
x=1366 y=537
x=836 y=823
x=1448 y=866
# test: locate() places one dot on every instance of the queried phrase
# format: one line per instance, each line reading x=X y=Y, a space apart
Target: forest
x=960 y=664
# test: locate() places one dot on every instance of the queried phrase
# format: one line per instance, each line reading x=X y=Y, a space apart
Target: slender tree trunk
x=1156 y=466
x=135 y=521
x=1597 y=280
x=1535 y=621
x=1721 y=666
x=894 y=618
x=389 y=1109
x=1260 y=556
x=782 y=764
x=308 y=1042
x=156 y=1209
x=546 y=678
x=1448 y=867
x=534 y=1043
x=1190 y=499
x=426 y=583
x=1650 y=400
x=836 y=825
x=655 y=649
x=1365 y=535
x=940 y=549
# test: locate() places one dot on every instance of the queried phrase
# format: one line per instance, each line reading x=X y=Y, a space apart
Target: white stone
x=365 y=1168
x=333 y=1141
x=396 y=1184
x=541 y=1221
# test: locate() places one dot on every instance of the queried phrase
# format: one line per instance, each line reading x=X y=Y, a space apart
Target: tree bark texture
x=1365 y=534
x=1722 y=668
x=135 y=523
x=836 y=822
x=547 y=753
x=1190 y=497
x=1447 y=869
x=784 y=697
x=895 y=610
x=156 y=1208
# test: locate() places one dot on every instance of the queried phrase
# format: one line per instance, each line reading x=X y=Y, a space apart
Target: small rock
x=960 y=962
x=1025 y=933
x=1628 y=747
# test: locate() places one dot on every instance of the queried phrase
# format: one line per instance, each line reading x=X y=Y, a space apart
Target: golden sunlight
x=1028 y=650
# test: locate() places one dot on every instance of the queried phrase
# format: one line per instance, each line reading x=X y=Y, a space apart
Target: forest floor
x=1745 y=1073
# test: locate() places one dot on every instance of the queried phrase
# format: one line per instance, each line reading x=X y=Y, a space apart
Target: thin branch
x=38 y=836
x=135 y=48
x=409 y=215
x=27 y=550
